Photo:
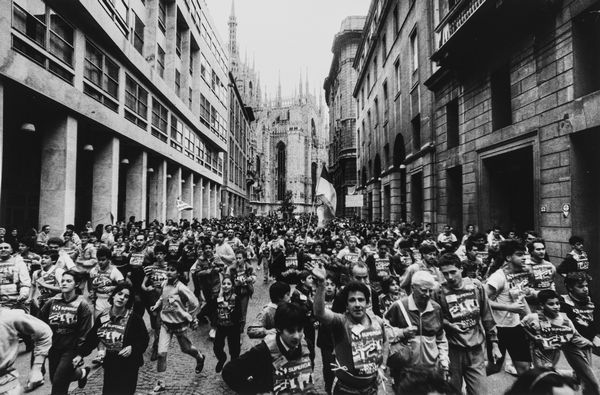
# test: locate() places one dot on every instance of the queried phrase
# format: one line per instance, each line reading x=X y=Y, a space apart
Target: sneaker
x=159 y=387
x=510 y=369
x=219 y=366
x=212 y=333
x=99 y=360
x=200 y=364
x=81 y=383
x=154 y=355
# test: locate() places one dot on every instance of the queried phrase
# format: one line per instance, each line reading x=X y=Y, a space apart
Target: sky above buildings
x=287 y=36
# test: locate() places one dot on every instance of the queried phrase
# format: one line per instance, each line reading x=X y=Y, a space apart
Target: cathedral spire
x=279 y=90
x=233 y=53
x=300 y=88
x=307 y=88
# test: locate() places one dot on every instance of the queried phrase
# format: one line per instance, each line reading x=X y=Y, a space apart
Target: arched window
x=313 y=132
x=280 y=176
x=257 y=165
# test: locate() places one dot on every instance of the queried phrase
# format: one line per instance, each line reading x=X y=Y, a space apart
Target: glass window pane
x=61 y=28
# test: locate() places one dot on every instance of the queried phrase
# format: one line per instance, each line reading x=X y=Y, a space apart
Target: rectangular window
x=42 y=29
x=103 y=74
x=118 y=11
x=374 y=70
x=376 y=110
x=416 y=133
x=383 y=49
x=162 y=15
x=160 y=61
x=396 y=23
x=586 y=57
x=204 y=68
x=137 y=34
x=386 y=104
x=178 y=41
x=160 y=117
x=452 y=137
x=397 y=77
x=414 y=51
x=176 y=133
x=136 y=103
x=501 y=101
x=190 y=98
x=204 y=110
x=177 y=83
x=192 y=56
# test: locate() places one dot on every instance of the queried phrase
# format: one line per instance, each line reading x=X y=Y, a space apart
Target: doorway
x=508 y=191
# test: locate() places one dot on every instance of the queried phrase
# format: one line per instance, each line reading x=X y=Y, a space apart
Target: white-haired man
x=422 y=324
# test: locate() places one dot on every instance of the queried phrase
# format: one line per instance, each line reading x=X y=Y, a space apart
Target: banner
x=354 y=200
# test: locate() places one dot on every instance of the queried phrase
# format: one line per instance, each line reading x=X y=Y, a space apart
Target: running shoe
x=159 y=387
x=200 y=364
x=81 y=383
x=211 y=333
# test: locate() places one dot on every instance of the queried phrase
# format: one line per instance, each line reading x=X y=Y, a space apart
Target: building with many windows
x=339 y=86
x=110 y=109
x=395 y=157
x=516 y=118
x=238 y=173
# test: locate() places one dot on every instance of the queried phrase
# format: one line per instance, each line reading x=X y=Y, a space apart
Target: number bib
x=158 y=276
x=543 y=275
x=101 y=281
x=292 y=377
x=464 y=307
x=137 y=259
x=553 y=337
x=382 y=267
x=111 y=334
x=63 y=317
x=367 y=348
x=291 y=262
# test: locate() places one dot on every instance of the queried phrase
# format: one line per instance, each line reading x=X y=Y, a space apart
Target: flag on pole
x=182 y=206
x=326 y=194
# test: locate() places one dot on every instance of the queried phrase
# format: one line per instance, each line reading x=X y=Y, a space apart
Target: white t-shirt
x=509 y=289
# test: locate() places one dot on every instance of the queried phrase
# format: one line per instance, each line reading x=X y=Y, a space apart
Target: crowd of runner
x=381 y=303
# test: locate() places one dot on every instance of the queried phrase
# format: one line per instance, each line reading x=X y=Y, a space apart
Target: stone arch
x=399 y=150
x=281 y=170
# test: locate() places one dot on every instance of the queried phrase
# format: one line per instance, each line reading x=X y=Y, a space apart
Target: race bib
x=291 y=262
x=367 y=349
x=62 y=316
x=137 y=260
x=382 y=266
x=292 y=377
x=464 y=308
x=112 y=334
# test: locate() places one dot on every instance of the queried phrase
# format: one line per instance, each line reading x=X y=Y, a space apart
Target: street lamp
x=88 y=148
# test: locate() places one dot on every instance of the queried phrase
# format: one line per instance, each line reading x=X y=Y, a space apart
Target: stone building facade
x=395 y=157
x=292 y=142
x=236 y=190
x=110 y=110
x=516 y=118
x=339 y=86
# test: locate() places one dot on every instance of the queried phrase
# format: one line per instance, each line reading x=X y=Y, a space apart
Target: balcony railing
x=457 y=17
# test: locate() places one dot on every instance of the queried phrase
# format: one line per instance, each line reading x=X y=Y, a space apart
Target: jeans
x=468 y=364
x=62 y=372
x=232 y=333
x=580 y=360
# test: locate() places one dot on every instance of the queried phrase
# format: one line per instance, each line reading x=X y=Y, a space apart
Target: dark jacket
x=136 y=336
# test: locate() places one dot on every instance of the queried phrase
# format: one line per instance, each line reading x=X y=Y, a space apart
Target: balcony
x=474 y=28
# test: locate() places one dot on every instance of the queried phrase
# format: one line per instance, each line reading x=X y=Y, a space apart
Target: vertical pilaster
x=197 y=196
x=137 y=181
x=395 y=197
x=173 y=193
x=58 y=174
x=105 y=190
x=187 y=195
x=206 y=198
x=158 y=192
x=376 y=201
